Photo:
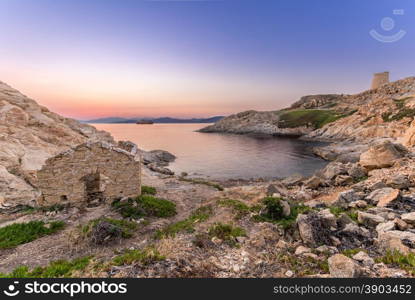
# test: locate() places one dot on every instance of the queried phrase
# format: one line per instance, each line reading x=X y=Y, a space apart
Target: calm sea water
x=221 y=156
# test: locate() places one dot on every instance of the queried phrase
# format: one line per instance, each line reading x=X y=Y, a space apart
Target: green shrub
x=226 y=233
x=149 y=190
x=60 y=268
x=145 y=205
x=272 y=212
x=156 y=207
x=21 y=233
x=186 y=225
x=144 y=257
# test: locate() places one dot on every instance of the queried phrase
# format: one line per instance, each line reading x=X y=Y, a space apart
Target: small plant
x=186 y=225
x=403 y=261
x=337 y=211
x=226 y=233
x=145 y=205
x=21 y=233
x=148 y=190
x=239 y=207
x=351 y=252
x=144 y=257
x=272 y=212
x=60 y=268
x=360 y=179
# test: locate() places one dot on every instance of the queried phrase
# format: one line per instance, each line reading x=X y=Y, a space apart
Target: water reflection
x=221 y=156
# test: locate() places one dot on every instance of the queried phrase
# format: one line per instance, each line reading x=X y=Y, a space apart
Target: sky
x=197 y=58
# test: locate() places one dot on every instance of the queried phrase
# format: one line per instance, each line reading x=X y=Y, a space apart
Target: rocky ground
x=348 y=220
x=353 y=218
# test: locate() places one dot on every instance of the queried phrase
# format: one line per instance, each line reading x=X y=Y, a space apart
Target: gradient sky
x=95 y=58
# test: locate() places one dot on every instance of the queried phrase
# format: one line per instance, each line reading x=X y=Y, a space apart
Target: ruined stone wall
x=62 y=178
x=380 y=79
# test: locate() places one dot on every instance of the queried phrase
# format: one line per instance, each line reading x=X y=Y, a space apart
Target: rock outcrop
x=385 y=112
x=29 y=134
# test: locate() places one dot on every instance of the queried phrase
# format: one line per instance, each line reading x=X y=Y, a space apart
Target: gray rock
x=369 y=220
x=387 y=226
x=300 y=250
x=295 y=179
x=356 y=171
x=333 y=169
x=391 y=241
x=162 y=170
x=409 y=218
x=382 y=197
x=364 y=258
x=159 y=157
x=314 y=182
x=343 y=180
x=277 y=188
x=340 y=266
x=345 y=198
x=398 y=181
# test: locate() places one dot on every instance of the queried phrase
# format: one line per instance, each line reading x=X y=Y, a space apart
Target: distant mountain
x=155 y=120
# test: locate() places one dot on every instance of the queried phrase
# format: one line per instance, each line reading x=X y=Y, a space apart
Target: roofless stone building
x=90 y=173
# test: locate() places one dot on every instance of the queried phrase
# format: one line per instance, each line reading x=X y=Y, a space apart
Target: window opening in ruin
x=64 y=198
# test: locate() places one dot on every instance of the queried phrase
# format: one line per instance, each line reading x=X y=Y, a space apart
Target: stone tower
x=380 y=79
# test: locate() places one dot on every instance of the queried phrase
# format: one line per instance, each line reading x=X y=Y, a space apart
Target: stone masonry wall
x=62 y=178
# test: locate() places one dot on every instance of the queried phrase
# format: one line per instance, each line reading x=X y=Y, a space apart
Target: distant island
x=154 y=120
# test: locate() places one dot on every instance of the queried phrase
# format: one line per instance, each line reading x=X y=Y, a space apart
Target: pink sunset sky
x=91 y=59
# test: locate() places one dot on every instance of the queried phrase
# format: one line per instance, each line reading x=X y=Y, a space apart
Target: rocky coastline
x=353 y=218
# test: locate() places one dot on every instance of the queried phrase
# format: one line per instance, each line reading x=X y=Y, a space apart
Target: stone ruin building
x=89 y=174
x=379 y=79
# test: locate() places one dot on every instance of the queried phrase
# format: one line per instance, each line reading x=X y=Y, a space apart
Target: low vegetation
x=21 y=233
x=145 y=206
x=272 y=211
x=144 y=257
x=398 y=259
x=337 y=211
x=308 y=117
x=148 y=190
x=60 y=268
x=240 y=208
x=302 y=266
x=187 y=225
x=227 y=233
x=403 y=111
x=201 y=181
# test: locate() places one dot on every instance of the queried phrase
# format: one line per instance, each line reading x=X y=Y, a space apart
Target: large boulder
x=381 y=155
x=340 y=266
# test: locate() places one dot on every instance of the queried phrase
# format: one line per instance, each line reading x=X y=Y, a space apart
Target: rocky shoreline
x=353 y=218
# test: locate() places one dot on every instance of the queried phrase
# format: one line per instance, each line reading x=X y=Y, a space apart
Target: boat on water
x=144 y=122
